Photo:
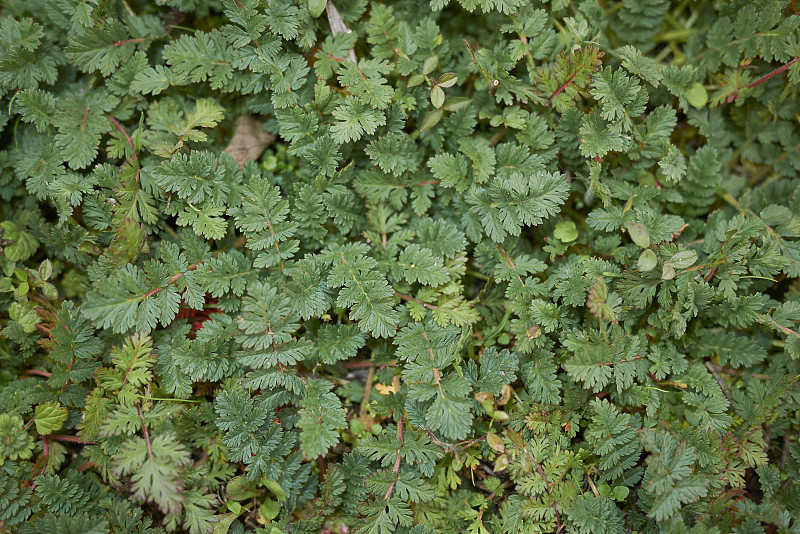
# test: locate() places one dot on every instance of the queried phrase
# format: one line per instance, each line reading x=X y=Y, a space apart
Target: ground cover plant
x=446 y=266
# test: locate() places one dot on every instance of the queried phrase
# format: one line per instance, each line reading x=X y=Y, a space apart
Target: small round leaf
x=496 y=442
x=697 y=95
x=23 y=289
x=270 y=509
x=357 y=427
x=501 y=463
x=50 y=291
x=639 y=234
x=647 y=260
x=566 y=232
x=240 y=488
x=620 y=493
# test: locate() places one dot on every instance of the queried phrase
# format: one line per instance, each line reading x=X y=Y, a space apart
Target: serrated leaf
x=49 y=417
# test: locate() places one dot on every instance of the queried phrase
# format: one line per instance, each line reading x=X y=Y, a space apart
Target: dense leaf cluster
x=506 y=266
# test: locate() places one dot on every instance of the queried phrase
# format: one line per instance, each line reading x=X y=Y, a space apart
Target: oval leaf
x=459 y=102
x=316 y=7
x=647 y=261
x=415 y=80
x=697 y=95
x=431 y=63
x=270 y=509
x=431 y=119
x=683 y=259
x=639 y=234
x=667 y=271
x=437 y=96
x=496 y=442
x=448 y=79
x=275 y=488
x=240 y=488
x=45 y=270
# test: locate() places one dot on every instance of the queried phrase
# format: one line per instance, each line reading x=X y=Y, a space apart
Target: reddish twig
x=359 y=365
x=511 y=264
x=412 y=299
x=146 y=434
x=35 y=372
x=561 y=89
x=498 y=136
x=85 y=117
x=128 y=41
x=119 y=127
x=87 y=465
x=172 y=280
x=396 y=470
x=549 y=488
x=69 y=439
x=45 y=453
x=734 y=372
x=721 y=381
x=734 y=95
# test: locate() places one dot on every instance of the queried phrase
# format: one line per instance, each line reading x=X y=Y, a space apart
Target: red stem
x=45 y=453
x=425 y=304
x=396 y=383
x=128 y=41
x=172 y=280
x=734 y=95
x=549 y=488
x=119 y=127
x=35 y=372
x=69 y=439
x=359 y=365
x=146 y=434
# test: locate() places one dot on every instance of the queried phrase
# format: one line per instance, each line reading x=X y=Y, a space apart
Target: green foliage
x=490 y=266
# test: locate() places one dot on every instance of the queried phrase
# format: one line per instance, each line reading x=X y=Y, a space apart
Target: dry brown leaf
x=249 y=140
x=384 y=389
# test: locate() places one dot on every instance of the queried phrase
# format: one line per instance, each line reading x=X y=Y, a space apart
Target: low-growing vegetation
x=416 y=266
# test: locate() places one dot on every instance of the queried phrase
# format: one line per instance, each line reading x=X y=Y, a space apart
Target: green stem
x=476 y=274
